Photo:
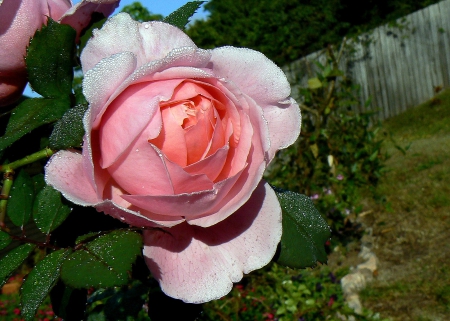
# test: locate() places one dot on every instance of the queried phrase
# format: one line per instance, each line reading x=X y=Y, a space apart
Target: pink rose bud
x=20 y=20
x=178 y=138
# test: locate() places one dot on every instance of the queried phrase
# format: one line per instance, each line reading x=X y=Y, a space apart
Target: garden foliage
x=339 y=149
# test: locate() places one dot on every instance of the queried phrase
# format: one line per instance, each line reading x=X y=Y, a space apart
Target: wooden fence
x=399 y=67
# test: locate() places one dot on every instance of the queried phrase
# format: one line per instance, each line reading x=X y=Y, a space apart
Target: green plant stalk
x=45 y=153
x=6 y=188
x=8 y=176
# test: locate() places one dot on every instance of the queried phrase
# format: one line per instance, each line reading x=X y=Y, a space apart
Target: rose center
x=188 y=126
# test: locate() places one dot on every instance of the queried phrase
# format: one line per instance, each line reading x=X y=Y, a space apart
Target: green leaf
x=50 y=60
x=31 y=114
x=180 y=17
x=38 y=182
x=12 y=260
x=103 y=262
x=314 y=83
x=69 y=130
x=5 y=240
x=40 y=281
x=48 y=210
x=304 y=231
x=20 y=203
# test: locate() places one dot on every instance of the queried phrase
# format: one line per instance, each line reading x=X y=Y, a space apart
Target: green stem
x=6 y=188
x=45 y=153
x=8 y=170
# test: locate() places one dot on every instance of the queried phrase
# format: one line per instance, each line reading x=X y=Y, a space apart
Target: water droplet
x=137 y=149
x=146 y=26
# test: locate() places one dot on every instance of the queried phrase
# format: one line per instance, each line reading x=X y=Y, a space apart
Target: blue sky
x=158 y=6
x=155 y=6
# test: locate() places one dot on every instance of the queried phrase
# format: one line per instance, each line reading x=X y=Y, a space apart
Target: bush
x=338 y=151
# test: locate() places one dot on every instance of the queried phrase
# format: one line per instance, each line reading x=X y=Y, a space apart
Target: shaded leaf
x=31 y=114
x=69 y=130
x=104 y=261
x=49 y=60
x=40 y=281
x=304 y=231
x=12 y=260
x=5 y=240
x=180 y=17
x=20 y=203
x=48 y=210
x=38 y=182
x=68 y=303
x=179 y=310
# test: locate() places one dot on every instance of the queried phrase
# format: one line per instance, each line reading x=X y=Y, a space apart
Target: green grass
x=412 y=225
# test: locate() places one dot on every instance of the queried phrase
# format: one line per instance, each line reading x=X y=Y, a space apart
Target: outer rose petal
x=11 y=87
x=252 y=72
x=284 y=121
x=197 y=265
x=65 y=172
x=79 y=16
x=121 y=33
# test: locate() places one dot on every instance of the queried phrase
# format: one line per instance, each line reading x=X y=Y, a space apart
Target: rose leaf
x=49 y=211
x=40 y=281
x=50 y=60
x=5 y=240
x=69 y=130
x=180 y=17
x=20 y=203
x=31 y=114
x=103 y=262
x=304 y=231
x=12 y=260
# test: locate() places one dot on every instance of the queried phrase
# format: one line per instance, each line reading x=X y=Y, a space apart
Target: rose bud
x=20 y=20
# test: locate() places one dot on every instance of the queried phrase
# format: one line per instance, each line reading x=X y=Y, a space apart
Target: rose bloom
x=178 y=137
x=20 y=20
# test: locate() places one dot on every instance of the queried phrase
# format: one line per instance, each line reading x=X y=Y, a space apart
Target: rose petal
x=125 y=118
x=102 y=81
x=140 y=170
x=251 y=71
x=148 y=42
x=284 y=122
x=248 y=180
x=79 y=16
x=211 y=166
x=120 y=209
x=197 y=265
x=188 y=205
x=184 y=182
x=171 y=140
x=65 y=172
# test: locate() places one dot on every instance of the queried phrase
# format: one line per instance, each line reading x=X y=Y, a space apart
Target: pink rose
x=179 y=137
x=20 y=20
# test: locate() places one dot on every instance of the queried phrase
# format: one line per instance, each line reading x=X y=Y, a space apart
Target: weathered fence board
x=400 y=67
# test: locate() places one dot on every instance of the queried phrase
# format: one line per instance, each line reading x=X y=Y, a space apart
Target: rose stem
x=8 y=170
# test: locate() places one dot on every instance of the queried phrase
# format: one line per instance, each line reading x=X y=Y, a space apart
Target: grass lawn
x=412 y=227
